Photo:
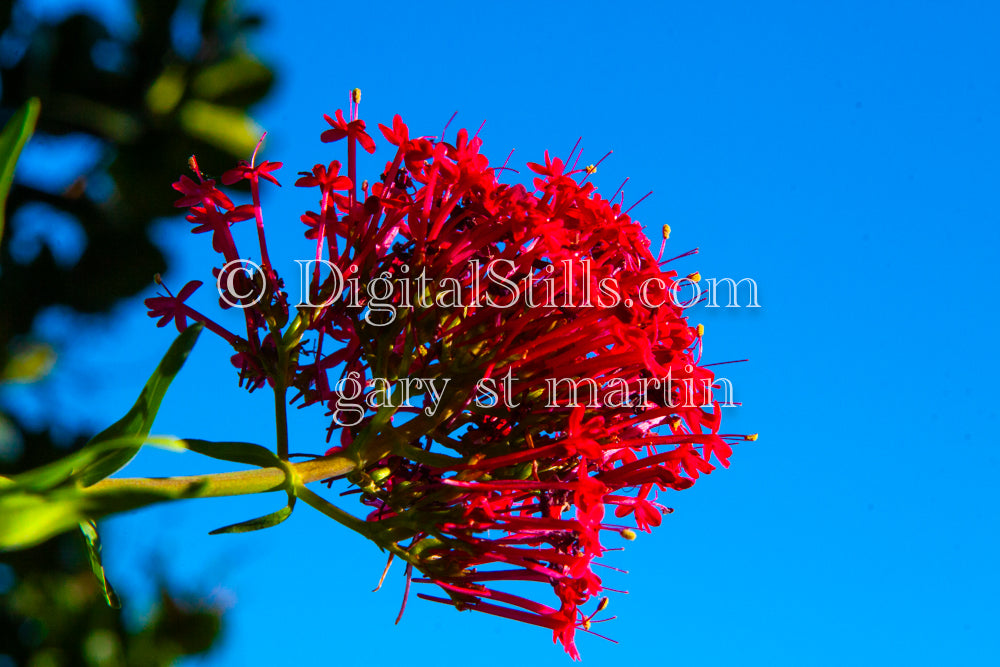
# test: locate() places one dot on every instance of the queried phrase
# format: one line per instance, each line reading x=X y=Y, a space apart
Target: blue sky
x=843 y=155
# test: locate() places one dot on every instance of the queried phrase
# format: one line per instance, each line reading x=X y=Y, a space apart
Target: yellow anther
x=628 y=534
x=157 y=279
x=356 y=95
x=752 y=437
x=694 y=277
x=602 y=605
x=666 y=231
x=591 y=169
x=701 y=330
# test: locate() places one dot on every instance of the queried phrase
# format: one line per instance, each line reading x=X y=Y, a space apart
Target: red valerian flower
x=326 y=178
x=490 y=359
x=210 y=219
x=353 y=130
x=200 y=192
x=399 y=134
x=247 y=171
x=173 y=309
x=170 y=308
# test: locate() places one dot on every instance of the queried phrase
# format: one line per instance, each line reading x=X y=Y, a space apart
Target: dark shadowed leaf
x=14 y=135
x=93 y=543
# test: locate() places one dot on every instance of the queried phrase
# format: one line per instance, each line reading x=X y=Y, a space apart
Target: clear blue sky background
x=843 y=155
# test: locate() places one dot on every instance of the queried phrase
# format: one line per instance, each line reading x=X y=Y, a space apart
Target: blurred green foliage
x=178 y=81
x=149 y=110
x=13 y=137
x=56 y=615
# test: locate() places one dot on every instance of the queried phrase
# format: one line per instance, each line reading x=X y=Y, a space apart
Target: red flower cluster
x=538 y=409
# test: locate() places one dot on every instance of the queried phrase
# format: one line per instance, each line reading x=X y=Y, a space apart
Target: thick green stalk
x=281 y=413
x=239 y=483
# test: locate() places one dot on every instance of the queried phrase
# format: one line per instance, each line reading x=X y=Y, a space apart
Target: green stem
x=281 y=413
x=372 y=531
x=281 y=387
x=239 y=483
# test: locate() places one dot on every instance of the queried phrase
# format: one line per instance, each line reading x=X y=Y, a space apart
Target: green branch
x=239 y=483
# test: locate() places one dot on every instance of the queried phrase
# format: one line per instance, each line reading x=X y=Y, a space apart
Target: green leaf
x=267 y=521
x=255 y=455
x=93 y=543
x=65 y=470
x=139 y=420
x=14 y=135
x=114 y=501
x=236 y=452
x=28 y=518
x=46 y=501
